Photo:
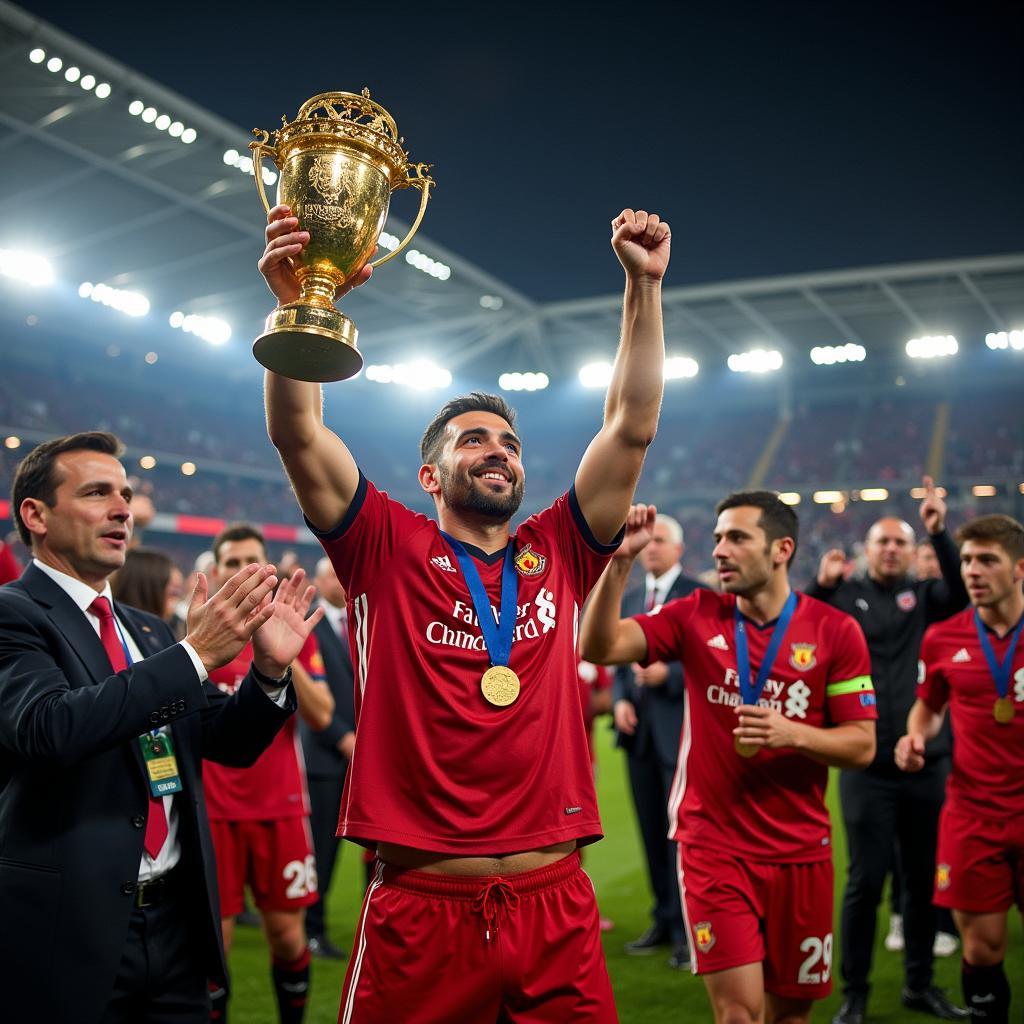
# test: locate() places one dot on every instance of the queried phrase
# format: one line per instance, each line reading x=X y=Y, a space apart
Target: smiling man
x=471 y=775
x=777 y=690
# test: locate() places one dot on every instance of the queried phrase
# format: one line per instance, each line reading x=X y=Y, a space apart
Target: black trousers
x=324 y=803
x=879 y=808
x=162 y=977
x=651 y=782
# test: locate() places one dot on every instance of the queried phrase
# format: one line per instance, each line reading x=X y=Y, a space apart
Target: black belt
x=158 y=890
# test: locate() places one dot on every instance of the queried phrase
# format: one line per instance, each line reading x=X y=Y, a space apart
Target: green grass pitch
x=647 y=991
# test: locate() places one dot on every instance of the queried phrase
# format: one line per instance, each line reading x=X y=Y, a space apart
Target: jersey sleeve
x=584 y=557
x=849 y=693
x=365 y=540
x=665 y=627
x=932 y=683
x=312 y=660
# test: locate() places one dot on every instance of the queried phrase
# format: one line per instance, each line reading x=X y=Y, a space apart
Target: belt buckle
x=156 y=885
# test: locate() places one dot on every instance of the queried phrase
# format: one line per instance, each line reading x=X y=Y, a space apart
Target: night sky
x=776 y=137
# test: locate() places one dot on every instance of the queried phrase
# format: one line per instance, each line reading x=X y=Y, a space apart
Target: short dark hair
x=477 y=401
x=36 y=475
x=236 y=531
x=777 y=519
x=995 y=529
x=142 y=580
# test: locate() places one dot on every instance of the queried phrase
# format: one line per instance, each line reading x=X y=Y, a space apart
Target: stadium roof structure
x=154 y=204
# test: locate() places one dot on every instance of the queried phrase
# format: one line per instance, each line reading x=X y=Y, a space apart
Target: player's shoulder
x=951 y=630
x=824 y=614
x=703 y=603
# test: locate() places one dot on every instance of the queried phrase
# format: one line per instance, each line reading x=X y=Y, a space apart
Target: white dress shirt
x=659 y=586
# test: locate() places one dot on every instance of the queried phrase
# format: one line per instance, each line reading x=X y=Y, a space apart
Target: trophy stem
x=318 y=288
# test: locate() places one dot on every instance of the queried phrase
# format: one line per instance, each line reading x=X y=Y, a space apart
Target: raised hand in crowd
x=831 y=567
x=933 y=507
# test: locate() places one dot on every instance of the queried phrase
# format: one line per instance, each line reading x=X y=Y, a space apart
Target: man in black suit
x=648 y=710
x=107 y=881
x=329 y=751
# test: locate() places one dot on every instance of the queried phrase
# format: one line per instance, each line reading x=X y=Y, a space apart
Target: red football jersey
x=988 y=758
x=770 y=807
x=436 y=766
x=275 y=786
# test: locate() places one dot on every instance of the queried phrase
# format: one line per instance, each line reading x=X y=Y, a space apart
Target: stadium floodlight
x=829 y=355
x=493 y=302
x=37 y=56
x=54 y=64
x=73 y=74
x=211 y=329
x=983 y=491
x=421 y=261
x=13 y=441
x=149 y=115
x=827 y=497
x=873 y=494
x=151 y=358
x=920 y=492
x=420 y=374
x=757 y=360
x=188 y=468
x=147 y=462
x=188 y=136
x=87 y=82
x=102 y=90
x=231 y=157
x=680 y=367
x=162 y=123
x=596 y=375
x=789 y=498
x=127 y=302
x=388 y=241
x=1005 y=339
x=932 y=346
x=176 y=129
x=529 y=381
x=136 y=107
x=29 y=267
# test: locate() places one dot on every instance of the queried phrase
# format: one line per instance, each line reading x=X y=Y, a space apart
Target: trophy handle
x=261 y=148
x=424 y=183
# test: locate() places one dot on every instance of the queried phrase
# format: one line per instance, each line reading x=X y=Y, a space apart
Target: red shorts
x=743 y=912
x=274 y=857
x=979 y=863
x=523 y=949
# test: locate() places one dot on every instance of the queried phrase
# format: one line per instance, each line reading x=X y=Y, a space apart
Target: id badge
x=161 y=764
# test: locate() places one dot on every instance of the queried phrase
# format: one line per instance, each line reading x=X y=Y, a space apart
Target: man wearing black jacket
x=329 y=751
x=881 y=803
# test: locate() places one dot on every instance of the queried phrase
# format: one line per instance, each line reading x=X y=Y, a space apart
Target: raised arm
x=610 y=468
x=320 y=467
x=947 y=596
x=605 y=638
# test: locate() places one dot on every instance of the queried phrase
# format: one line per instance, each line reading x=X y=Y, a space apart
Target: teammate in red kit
x=259 y=815
x=778 y=689
x=974 y=664
x=471 y=775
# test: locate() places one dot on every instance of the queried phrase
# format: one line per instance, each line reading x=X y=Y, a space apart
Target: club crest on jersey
x=942 y=877
x=802 y=656
x=529 y=562
x=316 y=664
x=703 y=936
x=906 y=600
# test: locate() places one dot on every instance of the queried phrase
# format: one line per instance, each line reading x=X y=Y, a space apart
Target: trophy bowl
x=338 y=163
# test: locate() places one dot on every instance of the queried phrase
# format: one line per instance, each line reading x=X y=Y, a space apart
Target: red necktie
x=649 y=603
x=156 y=820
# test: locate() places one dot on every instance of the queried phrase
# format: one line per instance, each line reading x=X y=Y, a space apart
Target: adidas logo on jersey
x=443 y=562
x=718 y=642
x=961 y=655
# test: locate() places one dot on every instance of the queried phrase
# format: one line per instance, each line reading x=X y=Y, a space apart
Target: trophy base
x=309 y=343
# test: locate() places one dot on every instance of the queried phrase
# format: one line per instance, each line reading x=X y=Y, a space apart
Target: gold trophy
x=339 y=161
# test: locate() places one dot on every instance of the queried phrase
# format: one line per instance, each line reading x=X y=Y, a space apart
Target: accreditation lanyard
x=750 y=690
x=1000 y=673
x=497 y=635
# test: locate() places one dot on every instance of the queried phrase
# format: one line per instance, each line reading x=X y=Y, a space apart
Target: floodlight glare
x=827 y=497
x=13 y=441
x=188 y=136
x=149 y=115
x=151 y=358
x=523 y=381
x=937 y=346
x=874 y=494
x=789 y=498
x=211 y=329
x=828 y=355
x=680 y=367
x=29 y=267
x=176 y=129
x=983 y=491
x=188 y=468
x=421 y=374
x=136 y=107
x=596 y=375
x=129 y=303
x=176 y=319
x=421 y=261
x=54 y=64
x=388 y=241
x=162 y=123
x=147 y=462
x=37 y=56
x=1005 y=340
x=102 y=90
x=757 y=360
x=87 y=82
x=231 y=157
x=73 y=74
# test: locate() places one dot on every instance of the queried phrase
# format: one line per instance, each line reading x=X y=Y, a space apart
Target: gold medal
x=500 y=686
x=744 y=749
x=1003 y=710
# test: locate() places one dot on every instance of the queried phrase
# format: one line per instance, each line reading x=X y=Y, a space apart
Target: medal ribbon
x=497 y=635
x=751 y=691
x=1000 y=673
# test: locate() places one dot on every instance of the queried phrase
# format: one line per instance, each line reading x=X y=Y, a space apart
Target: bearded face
x=488 y=489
